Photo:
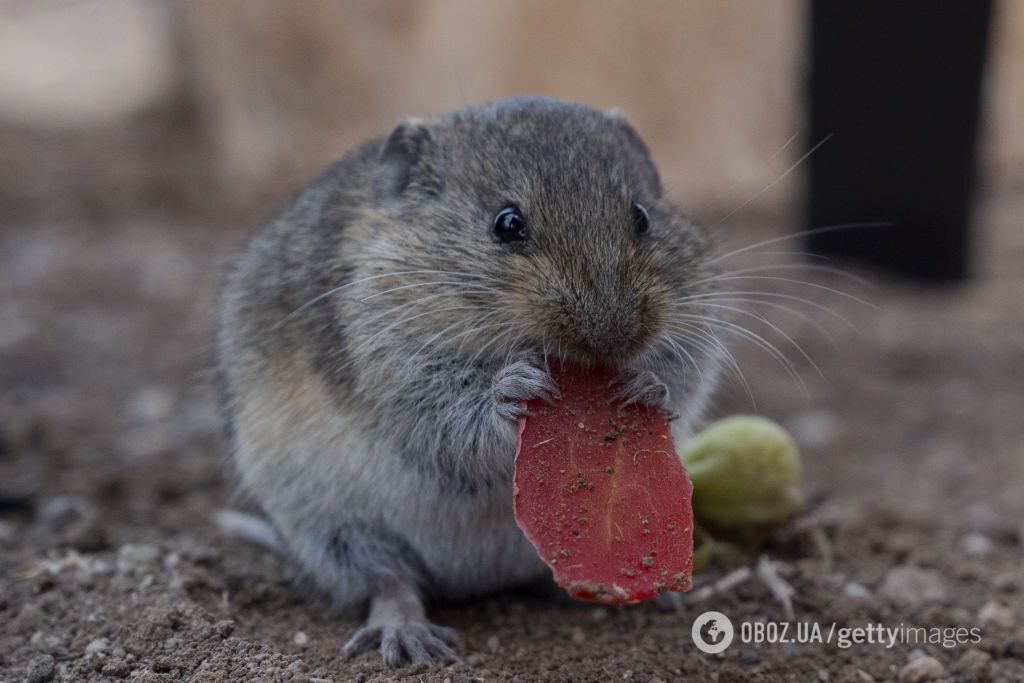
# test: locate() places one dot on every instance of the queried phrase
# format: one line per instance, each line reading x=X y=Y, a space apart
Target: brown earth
x=111 y=465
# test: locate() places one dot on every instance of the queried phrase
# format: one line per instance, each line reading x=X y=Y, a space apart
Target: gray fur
x=376 y=340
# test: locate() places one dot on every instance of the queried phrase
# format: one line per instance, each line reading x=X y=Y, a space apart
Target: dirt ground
x=112 y=464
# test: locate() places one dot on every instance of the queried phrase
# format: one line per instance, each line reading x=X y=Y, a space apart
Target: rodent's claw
x=366 y=638
x=644 y=387
x=413 y=641
x=519 y=382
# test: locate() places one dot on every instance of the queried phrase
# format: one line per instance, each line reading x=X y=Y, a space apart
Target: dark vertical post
x=898 y=84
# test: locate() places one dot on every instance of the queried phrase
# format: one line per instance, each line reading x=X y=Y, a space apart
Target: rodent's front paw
x=410 y=641
x=520 y=382
x=644 y=387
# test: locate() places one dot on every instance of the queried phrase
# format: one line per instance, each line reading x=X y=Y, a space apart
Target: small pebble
x=982 y=516
x=996 y=614
x=29 y=617
x=493 y=643
x=973 y=665
x=1007 y=582
x=60 y=512
x=7 y=532
x=46 y=641
x=599 y=614
x=578 y=636
x=151 y=403
x=41 y=668
x=922 y=669
x=913 y=586
x=117 y=669
x=976 y=544
x=301 y=639
x=98 y=645
x=855 y=590
x=132 y=557
x=224 y=628
x=815 y=428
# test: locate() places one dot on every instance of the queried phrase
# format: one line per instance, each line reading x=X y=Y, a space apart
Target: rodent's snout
x=608 y=328
x=588 y=306
x=608 y=335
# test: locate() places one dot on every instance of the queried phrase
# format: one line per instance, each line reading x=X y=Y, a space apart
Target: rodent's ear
x=406 y=165
x=618 y=117
x=616 y=114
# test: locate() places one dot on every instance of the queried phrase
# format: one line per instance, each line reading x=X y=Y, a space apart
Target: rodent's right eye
x=510 y=225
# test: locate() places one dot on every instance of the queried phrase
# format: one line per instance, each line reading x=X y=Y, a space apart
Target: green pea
x=745 y=472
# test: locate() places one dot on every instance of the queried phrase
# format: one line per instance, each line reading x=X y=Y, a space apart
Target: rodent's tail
x=250 y=527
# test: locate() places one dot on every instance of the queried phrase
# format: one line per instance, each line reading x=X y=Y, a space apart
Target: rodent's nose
x=609 y=331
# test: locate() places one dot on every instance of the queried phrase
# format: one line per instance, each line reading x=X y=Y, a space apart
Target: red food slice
x=601 y=494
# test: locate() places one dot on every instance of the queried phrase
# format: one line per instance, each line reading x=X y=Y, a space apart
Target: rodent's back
x=265 y=312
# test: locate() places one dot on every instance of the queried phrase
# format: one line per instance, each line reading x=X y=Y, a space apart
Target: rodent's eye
x=510 y=225
x=641 y=220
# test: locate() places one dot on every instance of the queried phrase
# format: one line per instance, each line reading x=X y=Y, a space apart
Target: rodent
x=377 y=336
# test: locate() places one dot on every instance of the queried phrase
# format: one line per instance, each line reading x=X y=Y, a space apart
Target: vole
x=378 y=336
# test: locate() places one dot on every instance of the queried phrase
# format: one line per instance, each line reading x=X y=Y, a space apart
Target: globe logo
x=712 y=632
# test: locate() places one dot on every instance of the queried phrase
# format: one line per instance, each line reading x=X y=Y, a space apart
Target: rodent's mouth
x=586 y=357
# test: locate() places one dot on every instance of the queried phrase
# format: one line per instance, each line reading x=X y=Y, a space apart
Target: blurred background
x=228 y=104
x=142 y=140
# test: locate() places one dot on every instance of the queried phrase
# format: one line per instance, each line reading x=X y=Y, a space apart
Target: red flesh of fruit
x=601 y=494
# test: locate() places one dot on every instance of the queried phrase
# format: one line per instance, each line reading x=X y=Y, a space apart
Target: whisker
x=395 y=324
x=684 y=356
x=494 y=338
x=837 y=292
x=775 y=182
x=724 y=295
x=511 y=348
x=774 y=327
x=410 y=363
x=474 y=330
x=470 y=285
x=398 y=307
x=757 y=340
x=335 y=290
x=803 y=233
x=720 y=193
x=839 y=272
x=792 y=311
x=687 y=330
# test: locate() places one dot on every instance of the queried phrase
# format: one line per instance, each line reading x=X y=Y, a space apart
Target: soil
x=112 y=465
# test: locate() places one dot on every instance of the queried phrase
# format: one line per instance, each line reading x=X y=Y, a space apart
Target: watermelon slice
x=601 y=494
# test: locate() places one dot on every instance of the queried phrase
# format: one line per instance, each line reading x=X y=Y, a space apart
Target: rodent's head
x=550 y=214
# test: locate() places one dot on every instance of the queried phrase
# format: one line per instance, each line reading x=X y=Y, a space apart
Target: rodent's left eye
x=641 y=220
x=510 y=225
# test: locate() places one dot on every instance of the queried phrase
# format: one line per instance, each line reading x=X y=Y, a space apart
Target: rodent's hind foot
x=645 y=388
x=414 y=641
x=398 y=627
x=518 y=382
